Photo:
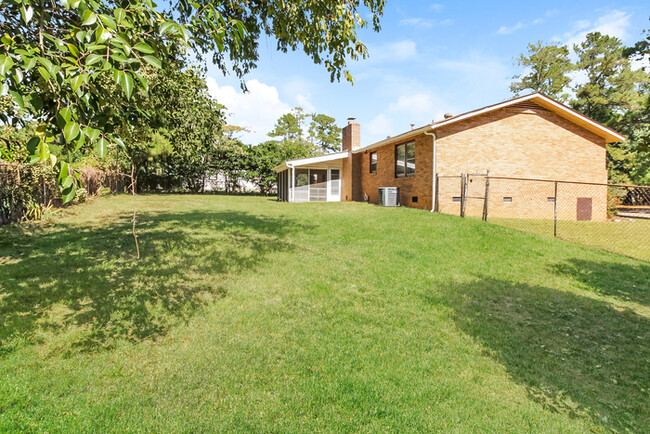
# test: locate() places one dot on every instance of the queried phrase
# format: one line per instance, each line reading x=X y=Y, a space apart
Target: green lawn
x=629 y=237
x=246 y=314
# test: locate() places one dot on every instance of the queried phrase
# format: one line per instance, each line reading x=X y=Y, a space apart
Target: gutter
x=434 y=179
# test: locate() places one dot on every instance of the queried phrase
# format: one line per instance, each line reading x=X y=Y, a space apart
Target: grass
x=628 y=237
x=245 y=314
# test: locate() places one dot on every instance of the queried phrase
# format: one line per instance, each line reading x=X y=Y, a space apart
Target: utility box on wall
x=388 y=196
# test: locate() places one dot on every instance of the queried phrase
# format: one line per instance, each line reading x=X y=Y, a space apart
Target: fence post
x=485 y=199
x=463 y=189
x=555 y=212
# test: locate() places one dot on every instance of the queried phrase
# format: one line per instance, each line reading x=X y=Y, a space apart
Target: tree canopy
x=73 y=66
x=602 y=84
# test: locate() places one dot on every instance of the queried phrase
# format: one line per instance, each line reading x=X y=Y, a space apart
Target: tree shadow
x=574 y=354
x=626 y=282
x=86 y=278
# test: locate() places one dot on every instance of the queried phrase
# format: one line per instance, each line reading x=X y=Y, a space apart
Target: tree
x=290 y=126
x=62 y=60
x=265 y=156
x=607 y=89
x=324 y=133
x=549 y=67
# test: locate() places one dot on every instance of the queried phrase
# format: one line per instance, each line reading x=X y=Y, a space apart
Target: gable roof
x=544 y=101
x=312 y=160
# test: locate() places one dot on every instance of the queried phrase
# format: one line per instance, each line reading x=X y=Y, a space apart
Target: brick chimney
x=351 y=170
x=351 y=135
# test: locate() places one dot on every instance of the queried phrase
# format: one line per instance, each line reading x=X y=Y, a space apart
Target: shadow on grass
x=86 y=279
x=574 y=354
x=625 y=282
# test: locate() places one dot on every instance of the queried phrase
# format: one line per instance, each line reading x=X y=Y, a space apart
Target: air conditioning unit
x=389 y=196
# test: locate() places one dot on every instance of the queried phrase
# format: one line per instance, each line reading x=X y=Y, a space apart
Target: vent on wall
x=528 y=105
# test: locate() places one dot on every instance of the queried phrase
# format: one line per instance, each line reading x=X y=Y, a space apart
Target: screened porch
x=315 y=179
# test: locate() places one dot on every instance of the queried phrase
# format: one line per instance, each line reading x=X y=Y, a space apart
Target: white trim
x=605 y=132
x=312 y=160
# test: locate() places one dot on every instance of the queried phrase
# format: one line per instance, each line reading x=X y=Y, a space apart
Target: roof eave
x=608 y=134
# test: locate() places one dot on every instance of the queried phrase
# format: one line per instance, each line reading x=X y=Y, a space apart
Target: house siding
x=515 y=142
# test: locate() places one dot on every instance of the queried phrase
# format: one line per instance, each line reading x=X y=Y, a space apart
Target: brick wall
x=419 y=186
x=529 y=142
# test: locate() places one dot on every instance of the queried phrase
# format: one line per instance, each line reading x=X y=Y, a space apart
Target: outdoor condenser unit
x=388 y=196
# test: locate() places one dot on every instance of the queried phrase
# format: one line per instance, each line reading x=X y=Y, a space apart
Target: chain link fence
x=611 y=217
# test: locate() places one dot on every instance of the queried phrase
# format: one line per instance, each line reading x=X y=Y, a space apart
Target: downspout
x=434 y=177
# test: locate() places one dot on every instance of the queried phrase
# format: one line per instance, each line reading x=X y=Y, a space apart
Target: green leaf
x=102 y=35
x=80 y=142
x=29 y=63
x=27 y=13
x=119 y=15
x=64 y=172
x=70 y=131
x=165 y=26
x=153 y=61
x=101 y=147
x=73 y=50
x=143 y=47
x=43 y=151
x=91 y=133
x=32 y=145
x=66 y=114
x=108 y=22
x=18 y=98
x=76 y=82
x=6 y=63
x=68 y=194
x=89 y=18
x=92 y=59
x=44 y=73
x=127 y=84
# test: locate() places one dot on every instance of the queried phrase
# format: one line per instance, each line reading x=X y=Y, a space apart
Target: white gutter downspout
x=433 y=179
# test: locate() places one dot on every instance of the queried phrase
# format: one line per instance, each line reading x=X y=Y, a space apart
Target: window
x=507 y=199
x=414 y=199
x=405 y=160
x=373 y=162
x=456 y=199
x=550 y=199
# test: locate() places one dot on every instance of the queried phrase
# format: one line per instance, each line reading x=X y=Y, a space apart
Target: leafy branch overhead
x=73 y=65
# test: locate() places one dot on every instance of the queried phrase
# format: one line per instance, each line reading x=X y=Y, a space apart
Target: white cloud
x=505 y=30
x=423 y=23
x=399 y=51
x=417 y=22
x=304 y=101
x=437 y=7
x=257 y=110
x=412 y=104
x=614 y=23
x=380 y=127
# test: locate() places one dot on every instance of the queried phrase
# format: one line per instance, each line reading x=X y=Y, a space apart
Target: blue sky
x=430 y=58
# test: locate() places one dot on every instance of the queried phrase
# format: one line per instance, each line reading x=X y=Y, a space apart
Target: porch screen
x=301 y=192
x=335 y=182
x=318 y=185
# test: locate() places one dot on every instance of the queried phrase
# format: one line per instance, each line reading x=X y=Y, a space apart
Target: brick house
x=532 y=136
